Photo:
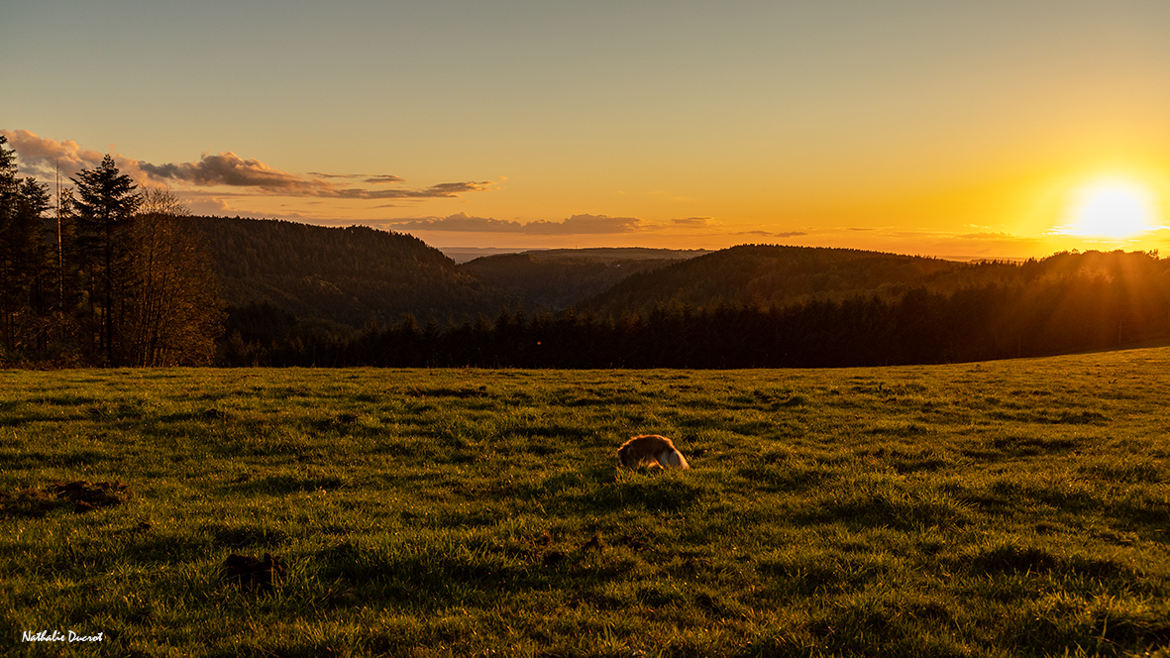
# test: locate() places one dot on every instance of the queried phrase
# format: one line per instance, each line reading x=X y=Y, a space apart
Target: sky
x=954 y=129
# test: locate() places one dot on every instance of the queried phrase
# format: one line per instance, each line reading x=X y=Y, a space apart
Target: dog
x=651 y=449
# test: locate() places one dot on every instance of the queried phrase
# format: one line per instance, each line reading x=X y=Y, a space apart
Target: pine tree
x=105 y=202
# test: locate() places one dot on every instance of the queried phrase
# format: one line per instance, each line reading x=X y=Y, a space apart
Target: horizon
x=1002 y=131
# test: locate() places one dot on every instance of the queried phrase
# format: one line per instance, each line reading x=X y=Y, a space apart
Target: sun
x=1114 y=208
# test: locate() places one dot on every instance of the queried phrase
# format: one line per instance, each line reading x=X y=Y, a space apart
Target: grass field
x=1002 y=509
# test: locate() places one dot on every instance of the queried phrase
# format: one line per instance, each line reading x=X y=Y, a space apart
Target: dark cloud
x=575 y=225
x=692 y=222
x=39 y=156
x=231 y=170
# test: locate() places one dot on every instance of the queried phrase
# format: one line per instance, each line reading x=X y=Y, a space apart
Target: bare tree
x=172 y=312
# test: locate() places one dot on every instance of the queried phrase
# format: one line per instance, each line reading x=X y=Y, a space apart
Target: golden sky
x=967 y=130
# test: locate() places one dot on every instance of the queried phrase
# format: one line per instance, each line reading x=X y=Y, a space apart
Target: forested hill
x=559 y=278
x=765 y=276
x=348 y=275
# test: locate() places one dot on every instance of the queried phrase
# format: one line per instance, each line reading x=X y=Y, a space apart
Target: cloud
x=575 y=225
x=39 y=156
x=458 y=222
x=231 y=170
x=321 y=174
x=383 y=178
x=692 y=222
x=579 y=224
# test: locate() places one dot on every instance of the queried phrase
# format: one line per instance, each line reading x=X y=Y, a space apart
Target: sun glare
x=1113 y=208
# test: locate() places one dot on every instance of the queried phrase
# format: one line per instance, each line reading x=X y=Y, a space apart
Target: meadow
x=1009 y=508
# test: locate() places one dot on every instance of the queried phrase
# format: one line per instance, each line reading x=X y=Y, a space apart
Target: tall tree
x=106 y=200
x=173 y=314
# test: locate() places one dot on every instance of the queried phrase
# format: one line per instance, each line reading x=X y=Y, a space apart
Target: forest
x=113 y=275
x=104 y=278
x=1057 y=306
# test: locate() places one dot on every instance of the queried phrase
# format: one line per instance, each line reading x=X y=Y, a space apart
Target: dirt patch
x=88 y=496
x=81 y=496
x=253 y=573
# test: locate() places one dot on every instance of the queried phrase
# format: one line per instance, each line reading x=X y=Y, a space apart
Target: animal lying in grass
x=651 y=449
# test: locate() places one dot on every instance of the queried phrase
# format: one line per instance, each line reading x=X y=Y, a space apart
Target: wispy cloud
x=383 y=178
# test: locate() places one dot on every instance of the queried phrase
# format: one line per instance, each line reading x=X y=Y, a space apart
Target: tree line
x=103 y=278
x=1084 y=302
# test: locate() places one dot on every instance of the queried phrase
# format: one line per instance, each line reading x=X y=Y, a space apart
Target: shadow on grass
x=604 y=489
x=885 y=509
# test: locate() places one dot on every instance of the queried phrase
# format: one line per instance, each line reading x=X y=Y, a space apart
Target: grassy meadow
x=997 y=509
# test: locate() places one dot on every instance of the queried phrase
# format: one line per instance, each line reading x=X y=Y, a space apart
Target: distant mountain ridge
x=559 y=278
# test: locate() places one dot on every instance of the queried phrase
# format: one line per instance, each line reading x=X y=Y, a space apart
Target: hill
x=346 y=275
x=770 y=276
x=559 y=278
x=763 y=276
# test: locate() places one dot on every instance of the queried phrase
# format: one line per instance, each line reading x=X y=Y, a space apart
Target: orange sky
x=908 y=126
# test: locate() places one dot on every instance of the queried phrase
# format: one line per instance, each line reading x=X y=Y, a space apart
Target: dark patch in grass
x=1009 y=558
x=252 y=573
x=83 y=496
x=28 y=503
x=88 y=496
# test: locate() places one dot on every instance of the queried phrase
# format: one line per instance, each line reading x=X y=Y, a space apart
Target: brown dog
x=651 y=449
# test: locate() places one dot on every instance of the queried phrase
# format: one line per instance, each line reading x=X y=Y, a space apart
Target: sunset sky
x=960 y=129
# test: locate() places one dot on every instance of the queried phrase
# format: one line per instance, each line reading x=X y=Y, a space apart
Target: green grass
x=1001 y=509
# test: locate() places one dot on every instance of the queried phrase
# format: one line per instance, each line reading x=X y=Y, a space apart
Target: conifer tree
x=106 y=200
